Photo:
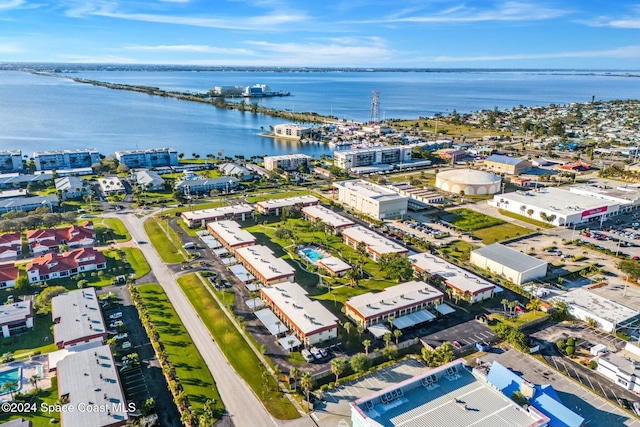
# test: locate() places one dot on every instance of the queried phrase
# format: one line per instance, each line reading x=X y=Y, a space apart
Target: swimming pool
x=12 y=375
x=312 y=254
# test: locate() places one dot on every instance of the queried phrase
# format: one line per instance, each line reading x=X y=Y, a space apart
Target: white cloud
x=190 y=48
x=631 y=21
x=11 y=4
x=620 y=52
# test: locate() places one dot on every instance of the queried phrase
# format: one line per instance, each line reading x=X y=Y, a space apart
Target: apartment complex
x=148 y=158
x=291 y=131
x=288 y=162
x=78 y=318
x=371 y=199
x=383 y=155
x=57 y=266
x=10 y=161
x=199 y=218
x=264 y=265
x=66 y=159
x=375 y=244
x=275 y=206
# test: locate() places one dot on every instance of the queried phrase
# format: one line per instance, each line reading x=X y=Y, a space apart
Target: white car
x=116 y=316
x=115 y=325
x=306 y=354
x=126 y=345
x=316 y=353
x=122 y=336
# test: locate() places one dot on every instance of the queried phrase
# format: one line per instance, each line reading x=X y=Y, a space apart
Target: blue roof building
x=542 y=397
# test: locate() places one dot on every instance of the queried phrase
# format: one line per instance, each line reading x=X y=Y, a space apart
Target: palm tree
x=390 y=320
x=387 y=339
x=9 y=386
x=33 y=380
x=529 y=212
x=347 y=329
x=534 y=305
x=360 y=329
x=504 y=303
x=337 y=366
x=397 y=333
x=294 y=374
x=306 y=382
x=187 y=417
x=512 y=306
x=366 y=344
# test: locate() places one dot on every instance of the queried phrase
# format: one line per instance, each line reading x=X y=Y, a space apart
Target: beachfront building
x=230 y=234
x=11 y=161
x=147 y=180
x=375 y=244
x=508 y=165
x=50 y=239
x=449 y=395
x=197 y=185
x=89 y=379
x=332 y=220
x=287 y=162
x=194 y=219
x=309 y=320
x=10 y=245
x=372 y=200
x=8 y=275
x=78 y=318
x=556 y=206
x=407 y=303
x=464 y=285
x=28 y=203
x=16 y=317
x=58 y=266
x=275 y=206
x=66 y=159
x=264 y=265
x=369 y=156
x=71 y=187
x=148 y=158
x=509 y=263
x=291 y=131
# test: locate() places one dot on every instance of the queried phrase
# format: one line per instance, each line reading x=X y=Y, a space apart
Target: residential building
x=28 y=203
x=505 y=164
x=56 y=266
x=264 y=265
x=50 y=239
x=16 y=180
x=10 y=245
x=309 y=320
x=375 y=244
x=230 y=234
x=147 y=180
x=452 y=155
x=71 y=187
x=465 y=285
x=287 y=162
x=199 y=218
x=11 y=161
x=449 y=395
x=205 y=185
x=407 y=303
x=332 y=220
x=335 y=266
x=15 y=317
x=291 y=131
x=509 y=263
x=275 y=206
x=238 y=171
x=541 y=397
x=372 y=200
x=90 y=379
x=8 y=275
x=111 y=184
x=622 y=371
x=148 y=158
x=369 y=156
x=66 y=159
x=77 y=318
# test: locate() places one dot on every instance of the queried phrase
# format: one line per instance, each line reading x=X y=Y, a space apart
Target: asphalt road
x=244 y=408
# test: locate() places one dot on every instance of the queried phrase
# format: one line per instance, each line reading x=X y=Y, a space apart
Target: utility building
x=509 y=263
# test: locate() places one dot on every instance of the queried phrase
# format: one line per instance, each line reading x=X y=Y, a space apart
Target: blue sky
x=353 y=33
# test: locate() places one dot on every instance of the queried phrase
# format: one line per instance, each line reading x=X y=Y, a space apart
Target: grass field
x=468 y=220
x=276 y=195
x=236 y=349
x=137 y=261
x=197 y=381
x=498 y=233
x=526 y=219
x=120 y=233
x=38 y=418
x=168 y=251
x=38 y=339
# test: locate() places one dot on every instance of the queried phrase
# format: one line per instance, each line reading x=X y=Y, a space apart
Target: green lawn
x=137 y=261
x=196 y=379
x=259 y=197
x=38 y=339
x=168 y=251
x=235 y=348
x=468 y=220
x=498 y=233
x=526 y=219
x=520 y=320
x=120 y=233
x=459 y=249
x=38 y=418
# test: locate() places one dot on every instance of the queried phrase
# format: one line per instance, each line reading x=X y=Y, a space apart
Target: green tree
x=22 y=286
x=366 y=344
x=630 y=267
x=337 y=367
x=397 y=334
x=505 y=303
x=294 y=373
x=9 y=386
x=534 y=305
x=396 y=267
x=390 y=353
x=306 y=382
x=44 y=298
x=387 y=339
x=359 y=362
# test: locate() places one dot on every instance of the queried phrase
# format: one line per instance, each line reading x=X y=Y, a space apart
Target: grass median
x=236 y=349
x=120 y=233
x=192 y=371
x=168 y=251
x=137 y=261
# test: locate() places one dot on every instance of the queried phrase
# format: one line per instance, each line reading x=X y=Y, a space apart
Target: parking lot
x=594 y=409
x=466 y=334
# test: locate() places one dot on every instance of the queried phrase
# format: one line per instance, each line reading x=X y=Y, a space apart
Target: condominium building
x=77 y=318
x=56 y=266
x=288 y=162
x=16 y=317
x=28 y=203
x=66 y=159
x=10 y=161
x=148 y=158
x=383 y=155
x=199 y=218
x=291 y=131
x=71 y=187
x=332 y=220
x=275 y=206
x=262 y=263
x=230 y=234
x=372 y=200
x=375 y=244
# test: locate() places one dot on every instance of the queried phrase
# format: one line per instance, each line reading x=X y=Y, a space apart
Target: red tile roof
x=8 y=272
x=55 y=262
x=54 y=236
x=8 y=238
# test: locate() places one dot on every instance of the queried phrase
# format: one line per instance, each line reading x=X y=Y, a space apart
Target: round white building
x=471 y=181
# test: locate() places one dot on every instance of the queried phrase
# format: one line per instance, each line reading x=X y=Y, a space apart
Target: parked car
x=115 y=325
x=126 y=345
x=122 y=336
x=307 y=356
x=316 y=353
x=115 y=316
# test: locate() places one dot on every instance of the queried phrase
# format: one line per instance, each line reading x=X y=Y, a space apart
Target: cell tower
x=374 y=117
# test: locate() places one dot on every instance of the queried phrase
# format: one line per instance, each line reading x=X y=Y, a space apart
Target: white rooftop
x=455 y=277
x=79 y=314
x=220 y=212
x=557 y=200
x=393 y=299
x=90 y=378
x=309 y=316
x=262 y=260
x=16 y=312
x=333 y=264
x=375 y=242
x=289 y=201
x=327 y=216
x=510 y=257
x=601 y=307
x=230 y=233
x=369 y=190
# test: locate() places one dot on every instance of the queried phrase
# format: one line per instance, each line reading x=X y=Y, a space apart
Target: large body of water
x=46 y=113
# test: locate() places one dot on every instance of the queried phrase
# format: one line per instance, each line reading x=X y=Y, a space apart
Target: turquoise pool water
x=312 y=254
x=10 y=375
